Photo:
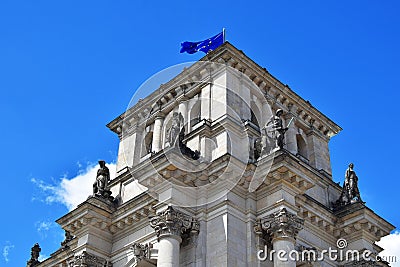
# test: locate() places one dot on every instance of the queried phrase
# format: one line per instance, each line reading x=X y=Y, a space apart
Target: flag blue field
x=205 y=46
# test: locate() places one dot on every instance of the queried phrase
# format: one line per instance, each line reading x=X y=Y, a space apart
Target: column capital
x=87 y=259
x=282 y=224
x=171 y=222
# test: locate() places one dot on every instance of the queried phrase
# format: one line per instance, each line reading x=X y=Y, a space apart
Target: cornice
x=357 y=217
x=275 y=91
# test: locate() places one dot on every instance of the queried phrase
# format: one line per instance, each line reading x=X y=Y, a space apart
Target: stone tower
x=223 y=165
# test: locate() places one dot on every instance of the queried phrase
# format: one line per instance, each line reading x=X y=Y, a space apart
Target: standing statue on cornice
x=351 y=184
x=100 y=186
x=34 y=260
x=350 y=193
x=67 y=239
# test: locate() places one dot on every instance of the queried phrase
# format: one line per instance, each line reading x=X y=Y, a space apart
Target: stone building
x=223 y=165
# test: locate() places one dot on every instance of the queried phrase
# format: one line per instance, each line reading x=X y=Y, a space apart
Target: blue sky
x=67 y=68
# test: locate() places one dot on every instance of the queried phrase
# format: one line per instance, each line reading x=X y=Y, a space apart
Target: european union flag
x=206 y=46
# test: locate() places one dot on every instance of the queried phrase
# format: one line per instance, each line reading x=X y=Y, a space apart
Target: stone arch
x=194 y=114
x=147 y=143
x=301 y=146
x=255 y=114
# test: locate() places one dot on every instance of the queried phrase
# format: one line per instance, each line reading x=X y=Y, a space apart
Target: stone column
x=168 y=251
x=157 y=132
x=283 y=227
x=171 y=226
x=182 y=108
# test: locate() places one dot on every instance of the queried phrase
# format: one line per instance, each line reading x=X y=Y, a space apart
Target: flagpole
x=223 y=34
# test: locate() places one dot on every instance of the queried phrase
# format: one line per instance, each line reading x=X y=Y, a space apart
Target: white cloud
x=43 y=227
x=6 y=251
x=72 y=191
x=391 y=246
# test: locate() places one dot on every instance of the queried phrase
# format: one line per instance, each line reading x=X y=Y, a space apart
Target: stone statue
x=176 y=127
x=351 y=184
x=176 y=135
x=34 y=260
x=100 y=186
x=68 y=237
x=141 y=251
x=185 y=150
x=273 y=132
x=350 y=193
x=278 y=130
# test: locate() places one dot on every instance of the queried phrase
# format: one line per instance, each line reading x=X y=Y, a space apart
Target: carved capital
x=172 y=222
x=86 y=259
x=258 y=228
x=282 y=224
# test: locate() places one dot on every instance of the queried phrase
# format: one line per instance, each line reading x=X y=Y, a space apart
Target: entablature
x=357 y=218
x=91 y=213
x=316 y=214
x=297 y=172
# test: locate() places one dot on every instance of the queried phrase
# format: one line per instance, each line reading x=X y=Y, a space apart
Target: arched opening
x=195 y=114
x=301 y=146
x=255 y=114
x=147 y=144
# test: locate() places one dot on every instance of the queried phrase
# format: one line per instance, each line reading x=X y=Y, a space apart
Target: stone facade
x=195 y=189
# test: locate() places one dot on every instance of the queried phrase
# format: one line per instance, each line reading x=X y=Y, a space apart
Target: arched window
x=301 y=146
x=255 y=114
x=147 y=144
x=195 y=114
